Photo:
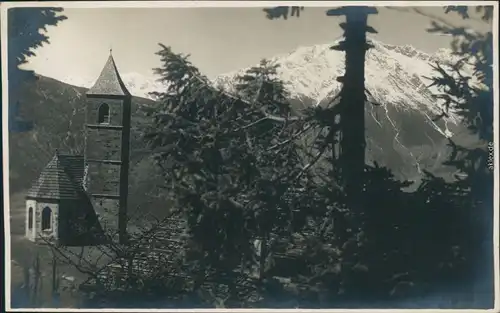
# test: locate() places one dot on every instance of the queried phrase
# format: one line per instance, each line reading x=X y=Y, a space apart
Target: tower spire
x=109 y=81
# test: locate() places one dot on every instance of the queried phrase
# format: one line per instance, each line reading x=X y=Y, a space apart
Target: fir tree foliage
x=215 y=151
x=374 y=258
x=470 y=98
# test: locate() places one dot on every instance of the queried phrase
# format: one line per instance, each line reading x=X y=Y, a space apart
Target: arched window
x=103 y=114
x=46 y=218
x=30 y=218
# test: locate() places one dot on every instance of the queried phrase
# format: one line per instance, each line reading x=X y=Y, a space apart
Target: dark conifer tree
x=276 y=152
x=220 y=167
x=345 y=127
x=470 y=98
x=25 y=35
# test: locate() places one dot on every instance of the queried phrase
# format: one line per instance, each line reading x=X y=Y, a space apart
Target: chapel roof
x=109 y=82
x=60 y=180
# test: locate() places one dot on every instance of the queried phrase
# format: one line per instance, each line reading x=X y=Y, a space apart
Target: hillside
x=57 y=111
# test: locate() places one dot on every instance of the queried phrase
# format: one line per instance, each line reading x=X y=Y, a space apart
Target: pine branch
x=293 y=137
x=209 y=86
x=317 y=157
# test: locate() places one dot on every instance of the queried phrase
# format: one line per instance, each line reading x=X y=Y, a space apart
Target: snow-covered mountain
x=401 y=132
x=394 y=74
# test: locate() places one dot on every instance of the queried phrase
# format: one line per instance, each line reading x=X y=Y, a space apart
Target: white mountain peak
x=394 y=74
x=311 y=71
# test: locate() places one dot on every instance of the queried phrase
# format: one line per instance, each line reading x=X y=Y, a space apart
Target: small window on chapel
x=46 y=218
x=30 y=218
x=103 y=114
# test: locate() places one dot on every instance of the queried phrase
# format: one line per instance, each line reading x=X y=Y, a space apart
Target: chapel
x=81 y=200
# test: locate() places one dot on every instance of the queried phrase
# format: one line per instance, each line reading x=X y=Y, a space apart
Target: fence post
x=55 y=281
x=35 y=283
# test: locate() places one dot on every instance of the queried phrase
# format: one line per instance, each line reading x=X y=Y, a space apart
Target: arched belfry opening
x=103 y=114
x=46 y=218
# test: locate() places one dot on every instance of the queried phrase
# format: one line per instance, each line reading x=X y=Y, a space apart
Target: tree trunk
x=352 y=121
x=351 y=154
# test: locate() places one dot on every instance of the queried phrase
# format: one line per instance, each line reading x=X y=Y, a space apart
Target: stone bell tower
x=107 y=150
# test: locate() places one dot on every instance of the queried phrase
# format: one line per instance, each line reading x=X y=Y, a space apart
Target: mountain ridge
x=141 y=84
x=401 y=133
x=393 y=74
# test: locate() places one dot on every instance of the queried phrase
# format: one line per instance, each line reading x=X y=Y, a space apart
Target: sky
x=219 y=40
